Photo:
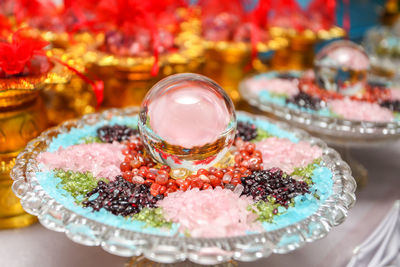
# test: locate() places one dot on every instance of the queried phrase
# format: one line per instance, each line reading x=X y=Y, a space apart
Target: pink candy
x=309 y=75
x=350 y=57
x=102 y=160
x=286 y=155
x=275 y=85
x=395 y=94
x=361 y=111
x=210 y=213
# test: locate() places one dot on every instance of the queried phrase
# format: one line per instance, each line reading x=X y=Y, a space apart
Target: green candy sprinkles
x=261 y=135
x=76 y=183
x=306 y=172
x=153 y=217
x=265 y=210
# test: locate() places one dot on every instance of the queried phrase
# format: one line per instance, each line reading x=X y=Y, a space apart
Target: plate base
x=141 y=261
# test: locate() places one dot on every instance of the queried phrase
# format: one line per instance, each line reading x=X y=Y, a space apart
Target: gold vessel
x=66 y=95
x=390 y=13
x=127 y=79
x=22 y=117
x=64 y=40
x=225 y=63
x=299 y=53
x=229 y=62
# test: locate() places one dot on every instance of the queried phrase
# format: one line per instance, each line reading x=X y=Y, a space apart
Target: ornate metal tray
x=167 y=249
x=335 y=131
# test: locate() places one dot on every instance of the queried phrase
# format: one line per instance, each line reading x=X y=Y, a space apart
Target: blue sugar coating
x=267 y=97
x=49 y=183
x=269 y=127
x=392 y=42
x=75 y=135
x=305 y=205
x=280 y=100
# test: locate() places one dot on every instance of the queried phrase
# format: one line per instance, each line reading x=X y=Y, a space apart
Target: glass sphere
x=342 y=66
x=187 y=121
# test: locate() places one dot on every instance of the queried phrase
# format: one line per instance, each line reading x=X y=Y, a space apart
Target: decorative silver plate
x=335 y=131
x=177 y=248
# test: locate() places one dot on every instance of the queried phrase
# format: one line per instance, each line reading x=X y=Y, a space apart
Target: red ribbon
x=97 y=85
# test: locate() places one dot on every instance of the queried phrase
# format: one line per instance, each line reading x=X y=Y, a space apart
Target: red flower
x=128 y=15
x=16 y=55
x=211 y=8
x=125 y=15
x=5 y=26
x=24 y=9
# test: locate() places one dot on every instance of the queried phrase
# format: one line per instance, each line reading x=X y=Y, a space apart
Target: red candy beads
x=140 y=169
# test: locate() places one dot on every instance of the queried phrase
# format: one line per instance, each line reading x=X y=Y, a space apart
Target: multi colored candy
x=248 y=187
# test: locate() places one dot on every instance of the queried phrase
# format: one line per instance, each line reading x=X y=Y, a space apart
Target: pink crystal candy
x=226 y=215
x=102 y=160
x=308 y=75
x=395 y=93
x=274 y=85
x=189 y=116
x=361 y=111
x=286 y=155
x=350 y=57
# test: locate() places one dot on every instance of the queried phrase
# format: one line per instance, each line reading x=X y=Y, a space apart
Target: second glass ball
x=342 y=66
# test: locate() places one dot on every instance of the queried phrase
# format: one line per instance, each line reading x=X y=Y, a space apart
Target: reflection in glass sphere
x=187 y=121
x=342 y=66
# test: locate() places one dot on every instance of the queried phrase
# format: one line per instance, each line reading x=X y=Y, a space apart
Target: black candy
x=246 y=131
x=120 y=197
x=119 y=133
x=273 y=182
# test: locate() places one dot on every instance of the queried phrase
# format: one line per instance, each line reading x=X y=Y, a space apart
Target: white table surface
x=37 y=246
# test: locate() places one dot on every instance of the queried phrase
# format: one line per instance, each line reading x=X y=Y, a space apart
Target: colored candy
x=227 y=213
x=274 y=85
x=102 y=160
x=240 y=194
x=361 y=111
x=286 y=155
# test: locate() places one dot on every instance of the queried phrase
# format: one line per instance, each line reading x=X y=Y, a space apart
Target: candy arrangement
x=183 y=152
x=375 y=103
x=247 y=191
x=338 y=87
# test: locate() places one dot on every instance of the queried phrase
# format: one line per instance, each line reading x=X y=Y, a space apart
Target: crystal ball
x=342 y=66
x=187 y=121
